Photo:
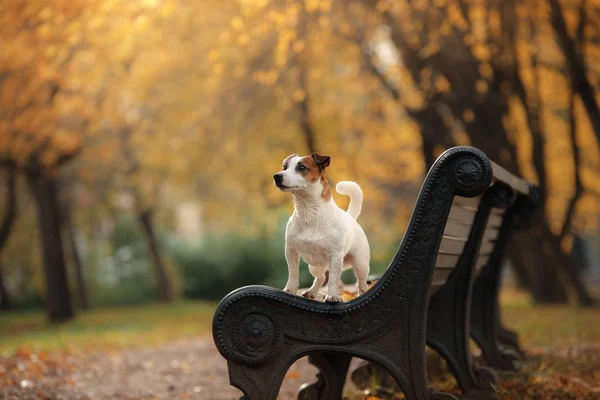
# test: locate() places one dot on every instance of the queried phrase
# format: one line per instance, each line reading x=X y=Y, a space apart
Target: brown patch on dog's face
x=326 y=194
x=309 y=169
x=313 y=169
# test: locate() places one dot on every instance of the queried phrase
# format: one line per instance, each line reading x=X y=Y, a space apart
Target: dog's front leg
x=292 y=257
x=336 y=264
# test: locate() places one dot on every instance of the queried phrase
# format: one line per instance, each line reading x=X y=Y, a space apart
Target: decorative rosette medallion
x=471 y=174
x=256 y=336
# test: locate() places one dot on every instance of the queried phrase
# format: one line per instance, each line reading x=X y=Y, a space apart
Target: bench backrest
x=460 y=221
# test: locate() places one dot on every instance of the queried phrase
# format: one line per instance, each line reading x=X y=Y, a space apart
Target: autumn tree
x=37 y=128
x=76 y=77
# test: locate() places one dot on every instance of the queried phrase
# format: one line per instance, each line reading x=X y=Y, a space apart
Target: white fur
x=324 y=235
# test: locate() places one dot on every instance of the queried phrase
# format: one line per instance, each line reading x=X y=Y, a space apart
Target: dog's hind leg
x=360 y=266
x=319 y=274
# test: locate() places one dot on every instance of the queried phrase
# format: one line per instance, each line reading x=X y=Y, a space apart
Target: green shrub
x=222 y=264
x=120 y=270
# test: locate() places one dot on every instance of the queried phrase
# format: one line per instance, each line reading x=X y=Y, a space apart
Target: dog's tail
x=356 y=196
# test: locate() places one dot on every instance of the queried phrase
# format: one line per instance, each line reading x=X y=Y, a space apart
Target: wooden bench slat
x=463 y=215
x=446 y=261
x=498 y=211
x=500 y=174
x=440 y=276
x=490 y=234
x=457 y=230
x=470 y=202
x=451 y=245
x=481 y=262
x=486 y=247
x=494 y=221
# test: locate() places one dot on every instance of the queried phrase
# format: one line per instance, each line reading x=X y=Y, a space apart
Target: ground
x=166 y=352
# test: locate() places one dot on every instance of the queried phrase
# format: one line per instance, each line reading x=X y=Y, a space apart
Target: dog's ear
x=321 y=161
x=287 y=159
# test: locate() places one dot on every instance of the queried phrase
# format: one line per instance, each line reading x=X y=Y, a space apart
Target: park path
x=185 y=369
x=193 y=369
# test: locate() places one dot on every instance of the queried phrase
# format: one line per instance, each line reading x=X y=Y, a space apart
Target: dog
x=325 y=236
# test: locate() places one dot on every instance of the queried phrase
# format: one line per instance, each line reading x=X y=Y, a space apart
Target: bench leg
x=510 y=339
x=397 y=362
x=500 y=347
x=333 y=368
x=260 y=382
x=377 y=379
x=448 y=333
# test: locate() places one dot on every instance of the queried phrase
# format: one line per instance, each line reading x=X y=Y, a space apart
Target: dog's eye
x=301 y=167
x=285 y=167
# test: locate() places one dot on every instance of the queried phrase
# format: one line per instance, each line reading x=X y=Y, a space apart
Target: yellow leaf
x=486 y=71
x=213 y=55
x=481 y=52
x=299 y=95
x=383 y=6
x=237 y=23
x=243 y=39
x=292 y=375
x=481 y=86
x=468 y=115
x=298 y=46
x=442 y=84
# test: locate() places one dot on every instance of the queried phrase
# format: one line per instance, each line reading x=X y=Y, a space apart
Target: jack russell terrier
x=324 y=235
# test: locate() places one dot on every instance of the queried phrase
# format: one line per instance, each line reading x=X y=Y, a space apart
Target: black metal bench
x=513 y=203
x=423 y=297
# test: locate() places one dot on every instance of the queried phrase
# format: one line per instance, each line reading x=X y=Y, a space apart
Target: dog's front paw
x=290 y=289
x=309 y=295
x=333 y=299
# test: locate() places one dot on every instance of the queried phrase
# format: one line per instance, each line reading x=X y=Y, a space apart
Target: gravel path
x=190 y=369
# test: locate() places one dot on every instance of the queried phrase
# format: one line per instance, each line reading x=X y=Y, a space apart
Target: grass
x=561 y=326
x=106 y=329
x=556 y=326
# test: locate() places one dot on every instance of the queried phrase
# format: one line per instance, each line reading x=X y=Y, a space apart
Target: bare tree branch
x=579 y=188
x=576 y=67
x=304 y=104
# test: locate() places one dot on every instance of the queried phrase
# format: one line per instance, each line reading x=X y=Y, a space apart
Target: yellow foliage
x=481 y=52
x=468 y=116
x=207 y=92
x=299 y=95
x=481 y=86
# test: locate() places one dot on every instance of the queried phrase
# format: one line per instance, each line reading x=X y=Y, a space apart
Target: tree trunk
x=304 y=104
x=4 y=299
x=10 y=214
x=541 y=274
x=44 y=190
x=165 y=289
x=564 y=264
x=84 y=300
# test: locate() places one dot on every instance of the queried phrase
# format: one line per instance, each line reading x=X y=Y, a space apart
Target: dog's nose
x=278 y=178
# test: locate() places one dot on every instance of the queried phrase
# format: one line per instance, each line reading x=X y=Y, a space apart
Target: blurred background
x=138 y=138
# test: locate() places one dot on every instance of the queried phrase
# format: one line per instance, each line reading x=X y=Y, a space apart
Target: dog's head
x=302 y=174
